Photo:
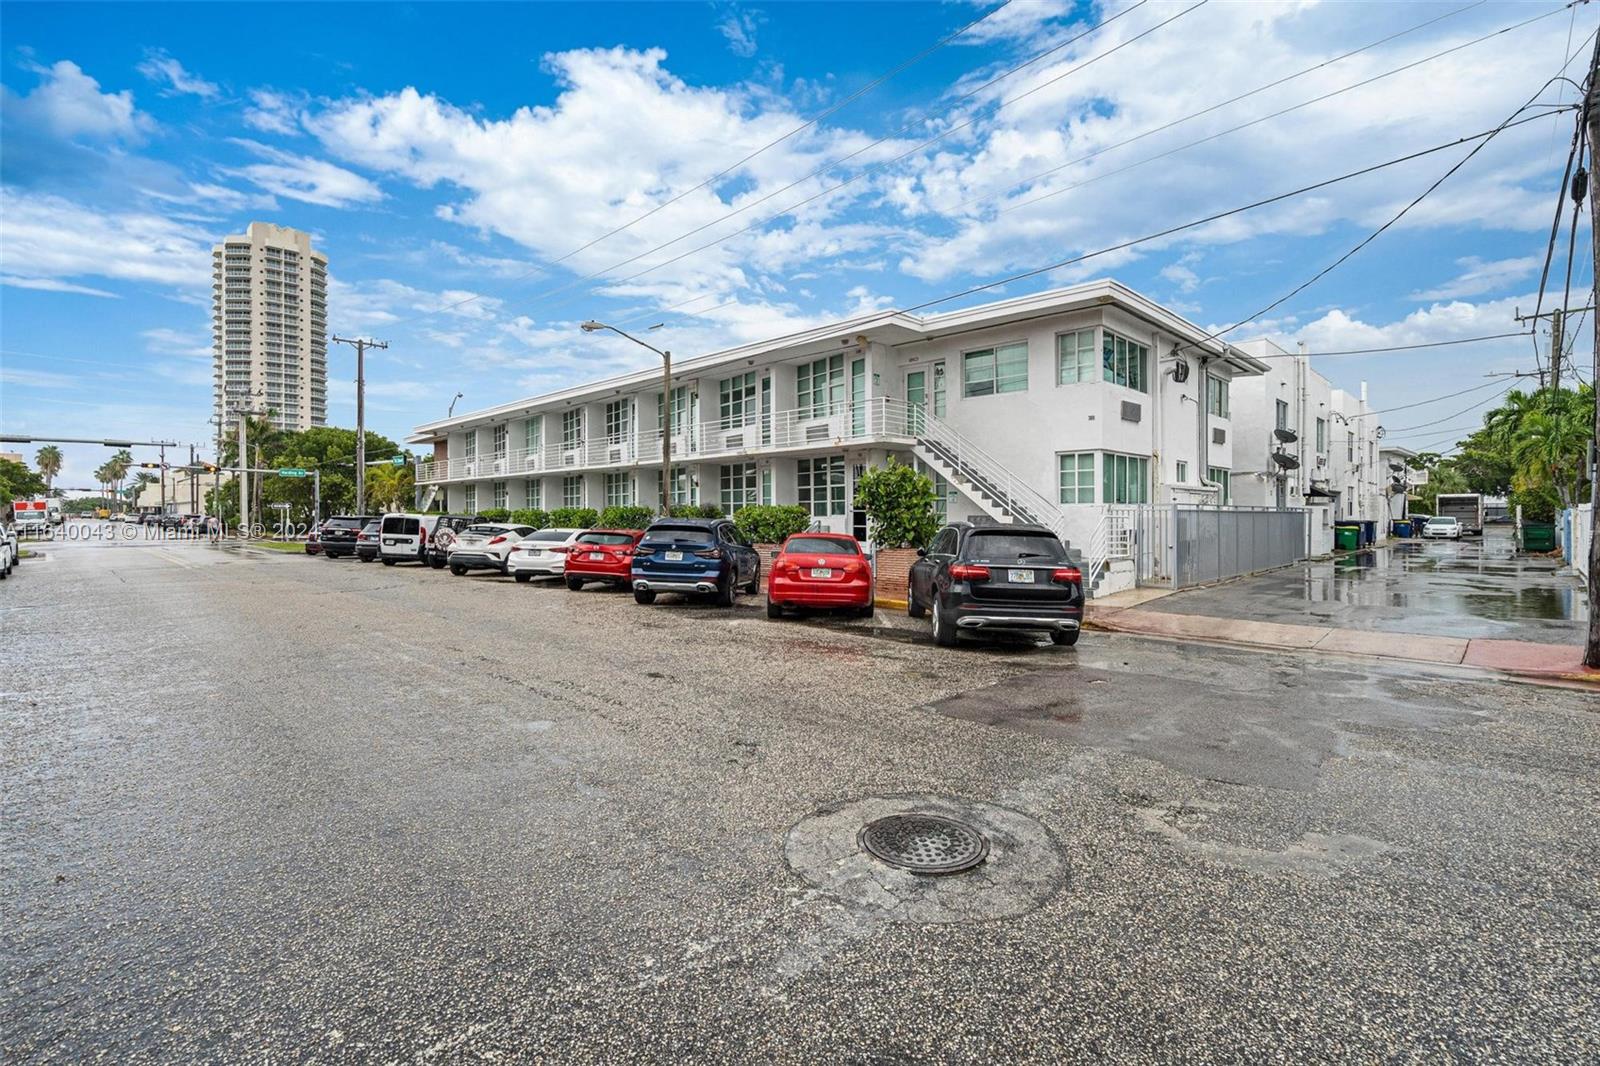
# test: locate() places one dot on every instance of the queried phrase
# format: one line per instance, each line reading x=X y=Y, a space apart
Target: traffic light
x=149 y=466
x=210 y=468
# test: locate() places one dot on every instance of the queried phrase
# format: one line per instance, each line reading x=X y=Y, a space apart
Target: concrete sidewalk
x=1544 y=662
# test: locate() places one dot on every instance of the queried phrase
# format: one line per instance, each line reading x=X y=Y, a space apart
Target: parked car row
x=970 y=578
x=10 y=549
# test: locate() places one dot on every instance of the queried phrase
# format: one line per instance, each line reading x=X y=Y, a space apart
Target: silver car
x=1442 y=526
x=542 y=553
x=484 y=546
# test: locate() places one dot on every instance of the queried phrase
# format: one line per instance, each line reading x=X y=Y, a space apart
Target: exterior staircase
x=426 y=495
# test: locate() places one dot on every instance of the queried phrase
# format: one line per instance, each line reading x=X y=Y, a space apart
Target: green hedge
x=695 y=510
x=767 y=524
x=530 y=516
x=625 y=517
x=495 y=514
x=574 y=517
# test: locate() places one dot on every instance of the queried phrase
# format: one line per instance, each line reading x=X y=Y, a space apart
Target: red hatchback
x=604 y=555
x=820 y=570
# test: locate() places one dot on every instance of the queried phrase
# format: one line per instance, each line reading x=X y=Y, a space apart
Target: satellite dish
x=1285 y=460
x=1288 y=436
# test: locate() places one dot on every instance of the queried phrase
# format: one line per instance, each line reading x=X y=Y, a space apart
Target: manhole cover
x=925 y=843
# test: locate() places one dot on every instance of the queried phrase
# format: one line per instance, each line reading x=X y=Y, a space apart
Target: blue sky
x=454 y=160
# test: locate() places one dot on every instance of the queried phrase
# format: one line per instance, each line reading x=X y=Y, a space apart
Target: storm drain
x=925 y=843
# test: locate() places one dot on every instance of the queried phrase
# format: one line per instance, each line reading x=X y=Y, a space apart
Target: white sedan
x=484 y=546
x=1439 y=526
x=542 y=553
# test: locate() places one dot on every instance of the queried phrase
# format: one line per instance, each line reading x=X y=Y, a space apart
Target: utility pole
x=163 y=473
x=1556 y=340
x=194 y=485
x=361 y=344
x=1591 y=118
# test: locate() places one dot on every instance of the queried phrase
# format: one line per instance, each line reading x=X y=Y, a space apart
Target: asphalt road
x=273 y=808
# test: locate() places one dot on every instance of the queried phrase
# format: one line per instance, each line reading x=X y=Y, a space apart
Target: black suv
x=696 y=555
x=339 y=533
x=997 y=577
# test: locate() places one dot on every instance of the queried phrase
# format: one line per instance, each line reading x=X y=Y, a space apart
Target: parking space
x=1469 y=588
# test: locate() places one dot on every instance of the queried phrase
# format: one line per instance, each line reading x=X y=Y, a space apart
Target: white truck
x=1464 y=507
x=31 y=516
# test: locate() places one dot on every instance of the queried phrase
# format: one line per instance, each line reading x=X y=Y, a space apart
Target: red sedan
x=604 y=555
x=820 y=570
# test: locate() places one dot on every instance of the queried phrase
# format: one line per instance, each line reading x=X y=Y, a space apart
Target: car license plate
x=1020 y=577
x=822 y=571
x=673 y=557
x=597 y=556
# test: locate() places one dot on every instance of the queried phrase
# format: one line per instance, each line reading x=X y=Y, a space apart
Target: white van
x=415 y=538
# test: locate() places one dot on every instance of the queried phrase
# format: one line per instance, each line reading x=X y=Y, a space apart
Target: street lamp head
x=591 y=325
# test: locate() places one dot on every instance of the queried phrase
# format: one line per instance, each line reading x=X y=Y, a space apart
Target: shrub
x=695 y=510
x=767 y=524
x=899 y=505
x=495 y=514
x=530 y=516
x=625 y=517
x=574 y=517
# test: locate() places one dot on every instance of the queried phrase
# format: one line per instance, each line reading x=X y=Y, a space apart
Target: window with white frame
x=572 y=491
x=500 y=442
x=1183 y=472
x=533 y=434
x=619 y=421
x=819 y=386
x=736 y=400
x=1283 y=414
x=470 y=498
x=685 y=405
x=533 y=493
x=1075 y=358
x=619 y=489
x=819 y=485
x=988 y=371
x=1217 y=396
x=500 y=495
x=738 y=486
x=571 y=429
x=766 y=486
x=1123 y=361
x=682 y=486
x=1124 y=478
x=1077 y=477
x=1350 y=446
x=1322 y=436
x=1220 y=476
x=471 y=450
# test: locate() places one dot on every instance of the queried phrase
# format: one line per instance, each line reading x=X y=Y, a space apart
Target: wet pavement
x=1467 y=588
x=276 y=808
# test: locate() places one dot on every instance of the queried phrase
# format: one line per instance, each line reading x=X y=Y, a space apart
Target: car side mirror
x=922 y=553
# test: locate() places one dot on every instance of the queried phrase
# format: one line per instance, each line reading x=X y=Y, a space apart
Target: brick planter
x=891 y=566
x=766 y=551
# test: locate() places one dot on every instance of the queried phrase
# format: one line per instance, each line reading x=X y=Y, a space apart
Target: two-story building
x=1302 y=442
x=1045 y=407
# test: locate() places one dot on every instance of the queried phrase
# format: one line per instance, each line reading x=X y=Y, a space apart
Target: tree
x=391 y=488
x=48 y=459
x=899 y=504
x=17 y=482
x=117 y=466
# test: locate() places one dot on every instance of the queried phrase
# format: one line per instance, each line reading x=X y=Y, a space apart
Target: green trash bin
x=1538 y=536
x=1346 y=538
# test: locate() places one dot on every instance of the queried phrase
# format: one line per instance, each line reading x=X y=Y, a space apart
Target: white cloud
x=271 y=111
x=298 y=177
x=163 y=68
x=1022 y=19
x=167 y=341
x=1181 y=275
x=69 y=104
x=1478 y=277
x=739 y=29
x=51 y=238
x=53 y=285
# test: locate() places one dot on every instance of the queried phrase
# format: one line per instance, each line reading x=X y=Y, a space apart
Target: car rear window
x=398 y=525
x=680 y=535
x=1007 y=546
x=344 y=523
x=549 y=534
x=606 y=538
x=823 y=545
x=370 y=527
x=487 y=531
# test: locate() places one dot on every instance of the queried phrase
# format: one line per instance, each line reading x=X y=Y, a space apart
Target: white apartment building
x=1044 y=408
x=269 y=326
x=1301 y=442
x=1402 y=480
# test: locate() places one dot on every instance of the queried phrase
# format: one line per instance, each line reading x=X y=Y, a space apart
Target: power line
x=1170 y=230
x=1458 y=414
x=824 y=168
x=1398 y=347
x=1436 y=399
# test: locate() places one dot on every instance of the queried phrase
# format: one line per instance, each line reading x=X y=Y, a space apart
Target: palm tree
x=48 y=460
x=1550 y=449
x=118 y=465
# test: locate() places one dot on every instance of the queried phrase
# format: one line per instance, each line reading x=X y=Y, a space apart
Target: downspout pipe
x=1203 y=452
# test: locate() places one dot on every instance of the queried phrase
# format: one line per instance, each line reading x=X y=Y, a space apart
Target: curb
x=888 y=604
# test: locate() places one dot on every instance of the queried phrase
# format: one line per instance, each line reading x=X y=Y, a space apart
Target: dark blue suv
x=704 y=556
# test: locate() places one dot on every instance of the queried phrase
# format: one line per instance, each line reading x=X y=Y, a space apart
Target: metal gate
x=1182 y=545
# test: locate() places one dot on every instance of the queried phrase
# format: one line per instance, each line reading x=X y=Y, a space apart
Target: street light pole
x=361 y=344
x=666 y=408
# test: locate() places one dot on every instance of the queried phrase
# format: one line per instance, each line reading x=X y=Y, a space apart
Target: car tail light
x=709 y=553
x=561 y=549
x=424 y=539
x=967 y=572
x=1066 y=575
x=624 y=552
x=498 y=540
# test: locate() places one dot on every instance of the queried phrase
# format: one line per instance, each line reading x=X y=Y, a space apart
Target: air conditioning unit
x=1131 y=411
x=733 y=440
x=1219 y=436
x=614 y=455
x=820 y=431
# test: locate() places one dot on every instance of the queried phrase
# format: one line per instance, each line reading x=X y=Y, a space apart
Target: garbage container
x=1347 y=538
x=1402 y=528
x=1369 y=534
x=1538 y=536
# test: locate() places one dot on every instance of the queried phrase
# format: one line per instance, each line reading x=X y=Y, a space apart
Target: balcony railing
x=841 y=424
